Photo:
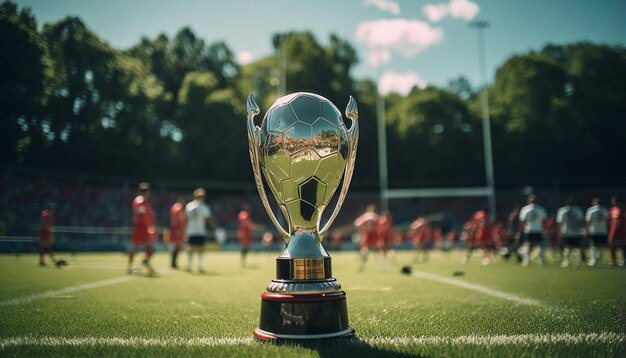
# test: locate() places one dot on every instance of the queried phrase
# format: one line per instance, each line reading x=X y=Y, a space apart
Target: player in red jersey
x=484 y=234
x=246 y=225
x=46 y=234
x=384 y=233
x=144 y=233
x=469 y=236
x=551 y=233
x=366 y=224
x=178 y=221
x=422 y=236
x=617 y=230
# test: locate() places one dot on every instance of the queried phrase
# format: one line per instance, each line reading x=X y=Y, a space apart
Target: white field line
x=478 y=288
x=97 y=266
x=62 y=291
x=519 y=340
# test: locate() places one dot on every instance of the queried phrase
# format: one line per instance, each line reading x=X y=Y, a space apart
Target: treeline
x=174 y=108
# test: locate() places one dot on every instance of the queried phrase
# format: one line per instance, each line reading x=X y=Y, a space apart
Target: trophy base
x=303 y=317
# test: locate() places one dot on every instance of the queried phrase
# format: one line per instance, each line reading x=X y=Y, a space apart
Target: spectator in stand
x=422 y=236
x=551 y=233
x=617 y=232
x=366 y=224
x=144 y=233
x=596 y=222
x=570 y=219
x=178 y=221
x=531 y=218
x=46 y=233
x=246 y=225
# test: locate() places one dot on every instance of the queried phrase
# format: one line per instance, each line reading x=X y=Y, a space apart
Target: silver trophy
x=303 y=150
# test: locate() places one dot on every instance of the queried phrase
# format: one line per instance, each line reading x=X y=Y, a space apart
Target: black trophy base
x=303 y=317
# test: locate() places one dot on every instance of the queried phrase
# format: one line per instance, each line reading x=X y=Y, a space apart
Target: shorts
x=533 y=238
x=144 y=240
x=46 y=243
x=197 y=240
x=599 y=240
x=574 y=241
x=618 y=243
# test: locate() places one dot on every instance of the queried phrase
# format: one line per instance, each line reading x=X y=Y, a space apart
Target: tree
x=429 y=129
x=23 y=71
x=557 y=110
x=213 y=128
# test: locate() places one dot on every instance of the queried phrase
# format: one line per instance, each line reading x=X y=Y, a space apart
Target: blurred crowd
x=422 y=224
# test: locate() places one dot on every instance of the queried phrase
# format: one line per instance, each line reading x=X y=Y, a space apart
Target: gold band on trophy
x=308 y=269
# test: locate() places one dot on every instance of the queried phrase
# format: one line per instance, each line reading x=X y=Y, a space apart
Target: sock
x=149 y=252
x=566 y=256
x=593 y=252
x=131 y=257
x=200 y=261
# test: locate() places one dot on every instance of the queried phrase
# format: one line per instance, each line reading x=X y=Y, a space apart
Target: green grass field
x=92 y=308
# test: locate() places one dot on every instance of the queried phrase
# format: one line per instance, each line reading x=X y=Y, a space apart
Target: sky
x=400 y=43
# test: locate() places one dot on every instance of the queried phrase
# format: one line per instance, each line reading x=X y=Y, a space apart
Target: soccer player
x=531 y=218
x=384 y=233
x=144 y=233
x=246 y=225
x=422 y=237
x=510 y=246
x=484 y=234
x=596 y=220
x=178 y=221
x=198 y=215
x=570 y=219
x=366 y=224
x=46 y=233
x=469 y=236
x=552 y=235
x=617 y=231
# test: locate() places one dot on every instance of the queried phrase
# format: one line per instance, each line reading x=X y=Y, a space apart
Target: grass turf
x=224 y=303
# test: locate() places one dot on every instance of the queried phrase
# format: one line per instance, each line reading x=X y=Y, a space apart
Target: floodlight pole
x=283 y=69
x=382 y=150
x=484 y=100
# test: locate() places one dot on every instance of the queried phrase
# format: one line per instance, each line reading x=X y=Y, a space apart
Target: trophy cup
x=303 y=150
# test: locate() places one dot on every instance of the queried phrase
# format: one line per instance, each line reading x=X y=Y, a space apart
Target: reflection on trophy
x=303 y=150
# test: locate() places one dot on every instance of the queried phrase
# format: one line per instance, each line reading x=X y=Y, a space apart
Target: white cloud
x=378 y=57
x=400 y=83
x=244 y=57
x=385 y=5
x=463 y=9
x=435 y=12
x=405 y=36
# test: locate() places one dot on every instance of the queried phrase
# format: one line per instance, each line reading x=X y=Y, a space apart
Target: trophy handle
x=352 y=112
x=253 y=139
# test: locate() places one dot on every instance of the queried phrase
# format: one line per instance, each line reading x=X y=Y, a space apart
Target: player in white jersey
x=597 y=222
x=198 y=215
x=531 y=218
x=570 y=220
